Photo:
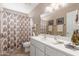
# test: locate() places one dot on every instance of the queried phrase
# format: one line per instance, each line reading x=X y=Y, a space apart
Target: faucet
x=44 y=36
x=58 y=39
x=55 y=38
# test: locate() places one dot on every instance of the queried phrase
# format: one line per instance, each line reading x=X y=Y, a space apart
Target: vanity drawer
x=54 y=52
x=32 y=50
x=39 y=52
x=38 y=44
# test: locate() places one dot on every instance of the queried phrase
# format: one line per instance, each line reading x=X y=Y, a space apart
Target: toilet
x=26 y=45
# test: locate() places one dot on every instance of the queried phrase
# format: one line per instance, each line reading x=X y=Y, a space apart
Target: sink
x=57 y=42
x=52 y=39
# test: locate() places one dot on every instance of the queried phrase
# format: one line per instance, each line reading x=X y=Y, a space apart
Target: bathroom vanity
x=49 y=46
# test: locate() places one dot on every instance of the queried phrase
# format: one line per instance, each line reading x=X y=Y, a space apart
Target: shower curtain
x=14 y=30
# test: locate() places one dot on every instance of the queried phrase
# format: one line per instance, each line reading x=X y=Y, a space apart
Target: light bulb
x=49 y=9
x=55 y=6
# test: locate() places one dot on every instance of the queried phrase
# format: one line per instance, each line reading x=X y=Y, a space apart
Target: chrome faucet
x=55 y=38
x=44 y=35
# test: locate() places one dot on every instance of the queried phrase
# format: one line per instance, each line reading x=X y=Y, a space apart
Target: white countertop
x=60 y=47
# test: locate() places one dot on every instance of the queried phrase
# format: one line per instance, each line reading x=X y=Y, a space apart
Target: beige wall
x=35 y=14
x=59 y=13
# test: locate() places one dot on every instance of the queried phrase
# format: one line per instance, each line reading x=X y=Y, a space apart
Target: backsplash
x=14 y=29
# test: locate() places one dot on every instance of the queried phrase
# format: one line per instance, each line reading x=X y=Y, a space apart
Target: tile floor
x=18 y=52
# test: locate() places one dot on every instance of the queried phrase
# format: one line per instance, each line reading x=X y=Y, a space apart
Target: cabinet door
x=39 y=52
x=54 y=52
x=38 y=44
x=32 y=50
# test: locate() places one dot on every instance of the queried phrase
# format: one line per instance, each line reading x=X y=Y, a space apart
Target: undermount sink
x=52 y=39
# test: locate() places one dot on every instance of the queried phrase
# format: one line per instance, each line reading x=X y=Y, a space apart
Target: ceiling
x=30 y=6
x=21 y=7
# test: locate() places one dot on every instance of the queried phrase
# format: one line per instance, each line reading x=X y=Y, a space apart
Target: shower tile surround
x=14 y=30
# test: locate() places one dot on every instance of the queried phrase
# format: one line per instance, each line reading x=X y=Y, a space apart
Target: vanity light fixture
x=54 y=6
x=58 y=5
x=49 y=9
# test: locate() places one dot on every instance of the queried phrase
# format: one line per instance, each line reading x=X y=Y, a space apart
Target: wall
x=35 y=14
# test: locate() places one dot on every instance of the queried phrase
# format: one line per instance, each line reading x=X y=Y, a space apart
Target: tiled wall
x=14 y=29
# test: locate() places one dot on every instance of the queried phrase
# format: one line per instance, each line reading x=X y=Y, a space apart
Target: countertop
x=61 y=47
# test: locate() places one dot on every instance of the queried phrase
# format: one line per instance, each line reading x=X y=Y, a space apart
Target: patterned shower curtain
x=14 y=29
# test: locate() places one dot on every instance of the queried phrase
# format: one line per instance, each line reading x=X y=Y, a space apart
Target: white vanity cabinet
x=38 y=48
x=32 y=49
x=53 y=52
x=50 y=51
x=39 y=52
